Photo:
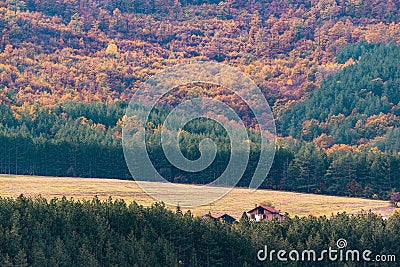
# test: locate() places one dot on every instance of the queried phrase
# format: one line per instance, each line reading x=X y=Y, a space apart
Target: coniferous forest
x=62 y=232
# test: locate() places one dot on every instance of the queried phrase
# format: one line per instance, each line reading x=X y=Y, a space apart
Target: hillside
x=54 y=51
x=359 y=105
x=327 y=68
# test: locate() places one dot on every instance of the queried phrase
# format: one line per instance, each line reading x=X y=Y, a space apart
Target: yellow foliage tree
x=112 y=50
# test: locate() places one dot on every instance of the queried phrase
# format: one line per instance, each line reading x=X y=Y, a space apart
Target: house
x=260 y=213
x=223 y=217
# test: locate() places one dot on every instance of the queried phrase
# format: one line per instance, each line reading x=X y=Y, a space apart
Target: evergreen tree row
x=61 y=232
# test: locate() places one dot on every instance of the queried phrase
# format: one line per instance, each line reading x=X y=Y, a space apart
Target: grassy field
x=234 y=203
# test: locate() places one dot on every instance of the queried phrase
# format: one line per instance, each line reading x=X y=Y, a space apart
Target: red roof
x=272 y=210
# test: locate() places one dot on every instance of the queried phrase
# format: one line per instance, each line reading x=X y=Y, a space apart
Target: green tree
x=75 y=24
x=20 y=260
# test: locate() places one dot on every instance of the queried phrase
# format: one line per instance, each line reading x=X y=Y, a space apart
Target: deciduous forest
x=329 y=69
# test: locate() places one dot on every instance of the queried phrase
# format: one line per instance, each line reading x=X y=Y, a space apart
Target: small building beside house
x=262 y=212
x=223 y=217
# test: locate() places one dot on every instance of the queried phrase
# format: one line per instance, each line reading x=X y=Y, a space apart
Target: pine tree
x=38 y=257
x=20 y=260
x=6 y=261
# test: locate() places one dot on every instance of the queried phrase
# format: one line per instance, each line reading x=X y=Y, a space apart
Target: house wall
x=260 y=214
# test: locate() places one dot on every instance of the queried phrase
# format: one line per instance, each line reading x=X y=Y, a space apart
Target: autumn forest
x=329 y=69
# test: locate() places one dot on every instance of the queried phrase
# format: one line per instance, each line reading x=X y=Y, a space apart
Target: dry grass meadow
x=234 y=203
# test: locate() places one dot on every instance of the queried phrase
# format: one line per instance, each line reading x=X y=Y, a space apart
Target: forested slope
x=80 y=139
x=54 y=51
x=359 y=104
x=68 y=69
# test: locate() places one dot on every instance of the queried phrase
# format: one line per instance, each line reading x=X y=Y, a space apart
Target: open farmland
x=234 y=203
